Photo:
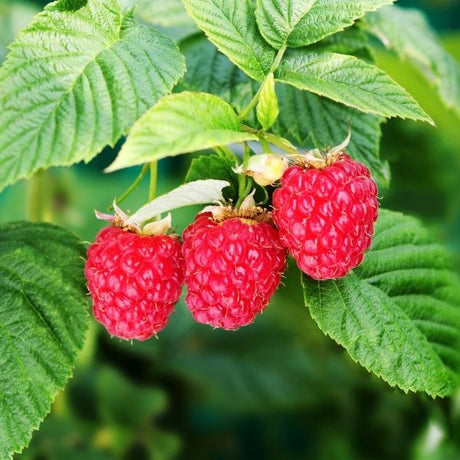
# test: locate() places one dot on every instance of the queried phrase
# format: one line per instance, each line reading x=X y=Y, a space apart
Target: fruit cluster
x=232 y=260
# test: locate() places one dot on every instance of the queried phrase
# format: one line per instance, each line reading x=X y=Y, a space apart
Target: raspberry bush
x=285 y=102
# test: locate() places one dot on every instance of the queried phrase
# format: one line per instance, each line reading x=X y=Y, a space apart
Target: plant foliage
x=43 y=311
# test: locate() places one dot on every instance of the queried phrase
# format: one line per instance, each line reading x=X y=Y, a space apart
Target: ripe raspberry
x=326 y=216
x=232 y=268
x=134 y=281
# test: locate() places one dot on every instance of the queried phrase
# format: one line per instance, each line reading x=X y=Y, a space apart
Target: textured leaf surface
x=409 y=34
x=267 y=108
x=315 y=122
x=196 y=192
x=305 y=118
x=278 y=19
x=181 y=123
x=216 y=167
x=75 y=80
x=351 y=81
x=43 y=321
x=231 y=26
x=210 y=71
x=298 y=23
x=398 y=314
x=354 y=41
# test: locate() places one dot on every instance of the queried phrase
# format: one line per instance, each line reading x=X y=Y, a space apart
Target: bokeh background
x=278 y=389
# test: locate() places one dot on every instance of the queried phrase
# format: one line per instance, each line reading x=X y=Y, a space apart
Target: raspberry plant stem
x=244 y=182
x=278 y=141
x=225 y=152
x=38 y=199
x=278 y=58
x=153 y=180
x=265 y=146
x=133 y=186
x=253 y=102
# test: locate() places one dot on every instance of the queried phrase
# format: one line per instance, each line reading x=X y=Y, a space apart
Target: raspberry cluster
x=232 y=259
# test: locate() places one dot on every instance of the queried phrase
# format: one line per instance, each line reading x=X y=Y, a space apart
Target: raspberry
x=326 y=215
x=134 y=281
x=232 y=268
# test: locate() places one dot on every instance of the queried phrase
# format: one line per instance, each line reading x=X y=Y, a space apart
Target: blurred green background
x=278 y=389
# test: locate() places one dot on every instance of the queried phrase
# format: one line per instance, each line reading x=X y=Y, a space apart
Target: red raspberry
x=134 y=281
x=326 y=216
x=232 y=268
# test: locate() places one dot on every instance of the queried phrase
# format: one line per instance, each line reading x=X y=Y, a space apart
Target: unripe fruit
x=134 y=280
x=233 y=265
x=326 y=214
x=266 y=169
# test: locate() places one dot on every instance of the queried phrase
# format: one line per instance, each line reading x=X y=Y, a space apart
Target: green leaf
x=409 y=34
x=409 y=266
x=267 y=108
x=398 y=315
x=354 y=41
x=210 y=71
x=315 y=122
x=75 y=80
x=278 y=19
x=180 y=123
x=297 y=23
x=350 y=81
x=306 y=119
x=215 y=167
x=43 y=321
x=231 y=26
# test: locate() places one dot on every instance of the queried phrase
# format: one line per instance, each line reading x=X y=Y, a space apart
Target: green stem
x=132 y=187
x=246 y=155
x=225 y=152
x=153 y=180
x=280 y=142
x=253 y=102
x=278 y=58
x=39 y=197
x=265 y=146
